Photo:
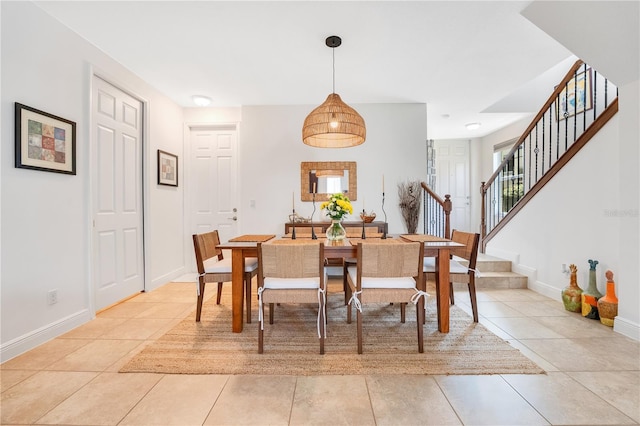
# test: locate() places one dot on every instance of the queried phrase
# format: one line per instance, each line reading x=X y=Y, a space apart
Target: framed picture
x=576 y=97
x=44 y=142
x=167 y=169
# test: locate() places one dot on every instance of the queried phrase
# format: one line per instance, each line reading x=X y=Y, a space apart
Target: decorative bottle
x=608 y=305
x=591 y=295
x=571 y=295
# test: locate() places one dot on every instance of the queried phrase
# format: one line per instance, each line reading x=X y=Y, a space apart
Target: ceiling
x=469 y=61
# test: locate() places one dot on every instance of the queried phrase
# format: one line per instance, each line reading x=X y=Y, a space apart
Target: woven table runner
x=252 y=238
x=422 y=238
x=372 y=240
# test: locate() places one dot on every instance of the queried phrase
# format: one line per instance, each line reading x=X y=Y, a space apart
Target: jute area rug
x=292 y=347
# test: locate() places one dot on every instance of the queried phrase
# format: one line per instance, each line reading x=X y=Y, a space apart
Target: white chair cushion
x=455 y=267
x=291 y=283
x=215 y=266
x=378 y=282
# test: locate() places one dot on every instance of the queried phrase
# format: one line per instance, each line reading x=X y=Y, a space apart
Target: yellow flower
x=338 y=206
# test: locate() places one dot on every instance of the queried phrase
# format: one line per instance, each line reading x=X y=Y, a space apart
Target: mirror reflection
x=328 y=177
x=329 y=181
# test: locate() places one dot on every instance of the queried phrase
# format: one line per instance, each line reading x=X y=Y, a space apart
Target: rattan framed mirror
x=328 y=177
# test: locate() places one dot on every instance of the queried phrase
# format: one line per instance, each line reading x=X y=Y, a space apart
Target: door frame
x=190 y=266
x=115 y=82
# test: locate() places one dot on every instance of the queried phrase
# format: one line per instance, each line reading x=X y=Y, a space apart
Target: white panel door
x=213 y=181
x=116 y=168
x=452 y=177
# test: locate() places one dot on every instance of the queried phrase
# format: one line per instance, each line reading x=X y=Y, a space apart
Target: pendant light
x=333 y=124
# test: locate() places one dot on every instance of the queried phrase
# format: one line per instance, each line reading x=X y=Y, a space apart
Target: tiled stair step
x=496 y=280
x=495 y=273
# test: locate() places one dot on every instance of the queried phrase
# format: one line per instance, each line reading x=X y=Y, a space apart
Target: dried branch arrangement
x=410 y=196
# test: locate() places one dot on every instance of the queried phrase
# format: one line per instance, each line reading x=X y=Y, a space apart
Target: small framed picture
x=575 y=97
x=44 y=141
x=167 y=168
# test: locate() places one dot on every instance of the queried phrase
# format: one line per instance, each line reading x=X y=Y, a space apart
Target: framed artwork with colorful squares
x=167 y=168
x=44 y=141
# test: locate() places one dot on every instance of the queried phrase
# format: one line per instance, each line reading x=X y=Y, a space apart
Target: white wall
x=46 y=219
x=271 y=151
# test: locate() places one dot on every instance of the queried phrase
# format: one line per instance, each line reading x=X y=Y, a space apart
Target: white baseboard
x=545 y=289
x=22 y=344
x=166 y=278
x=626 y=328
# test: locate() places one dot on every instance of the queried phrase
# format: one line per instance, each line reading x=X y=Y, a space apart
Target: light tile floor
x=593 y=377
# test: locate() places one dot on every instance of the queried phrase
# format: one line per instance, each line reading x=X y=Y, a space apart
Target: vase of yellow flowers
x=337 y=207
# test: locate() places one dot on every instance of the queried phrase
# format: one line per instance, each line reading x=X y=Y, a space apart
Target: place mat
x=251 y=238
x=388 y=240
x=421 y=238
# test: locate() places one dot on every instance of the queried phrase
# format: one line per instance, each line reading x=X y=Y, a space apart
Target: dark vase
x=591 y=295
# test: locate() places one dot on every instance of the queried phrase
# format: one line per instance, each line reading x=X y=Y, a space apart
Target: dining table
x=245 y=246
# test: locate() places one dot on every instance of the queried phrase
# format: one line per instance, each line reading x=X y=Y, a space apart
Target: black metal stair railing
x=437 y=212
x=578 y=107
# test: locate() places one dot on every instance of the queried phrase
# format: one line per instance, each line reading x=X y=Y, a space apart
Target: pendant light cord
x=333 y=51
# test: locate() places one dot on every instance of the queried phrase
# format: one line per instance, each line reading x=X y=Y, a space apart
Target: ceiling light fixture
x=472 y=126
x=201 y=101
x=333 y=124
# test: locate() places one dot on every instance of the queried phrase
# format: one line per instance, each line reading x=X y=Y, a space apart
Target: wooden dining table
x=247 y=246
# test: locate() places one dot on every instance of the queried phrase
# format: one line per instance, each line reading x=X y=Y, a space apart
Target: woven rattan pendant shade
x=348 y=128
x=333 y=124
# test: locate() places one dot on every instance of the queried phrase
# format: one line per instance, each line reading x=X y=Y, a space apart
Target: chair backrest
x=205 y=248
x=291 y=259
x=470 y=241
x=389 y=260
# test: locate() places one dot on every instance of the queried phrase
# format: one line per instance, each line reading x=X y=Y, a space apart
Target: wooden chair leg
x=403 y=311
x=219 y=293
x=247 y=287
x=359 y=327
x=419 y=322
x=261 y=333
x=323 y=324
x=472 y=296
x=199 y=301
x=345 y=284
x=271 y=308
x=451 y=294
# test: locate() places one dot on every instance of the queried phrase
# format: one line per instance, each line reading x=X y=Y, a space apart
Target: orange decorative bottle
x=608 y=305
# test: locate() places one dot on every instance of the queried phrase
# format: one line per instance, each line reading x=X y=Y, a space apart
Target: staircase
x=578 y=108
x=495 y=274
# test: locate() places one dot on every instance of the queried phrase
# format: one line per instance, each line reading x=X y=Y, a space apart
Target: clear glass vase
x=336 y=232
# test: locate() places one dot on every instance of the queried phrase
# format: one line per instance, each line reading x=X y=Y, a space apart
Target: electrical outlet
x=52 y=297
x=564 y=268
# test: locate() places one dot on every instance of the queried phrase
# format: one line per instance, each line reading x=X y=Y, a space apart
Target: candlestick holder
x=384 y=231
x=293 y=229
x=313 y=232
x=364 y=235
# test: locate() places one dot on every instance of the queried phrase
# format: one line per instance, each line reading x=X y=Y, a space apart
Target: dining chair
x=213 y=267
x=387 y=273
x=291 y=271
x=458 y=272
